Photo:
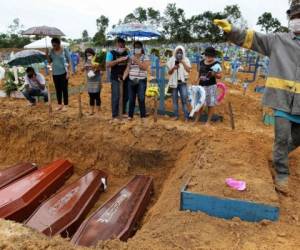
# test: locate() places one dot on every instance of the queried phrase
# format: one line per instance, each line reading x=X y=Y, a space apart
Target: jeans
x=115 y=97
x=182 y=89
x=139 y=91
x=61 y=87
x=287 y=139
x=31 y=93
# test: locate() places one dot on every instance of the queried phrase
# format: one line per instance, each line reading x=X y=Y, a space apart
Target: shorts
x=211 y=95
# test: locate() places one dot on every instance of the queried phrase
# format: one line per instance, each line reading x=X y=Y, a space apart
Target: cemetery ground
x=171 y=152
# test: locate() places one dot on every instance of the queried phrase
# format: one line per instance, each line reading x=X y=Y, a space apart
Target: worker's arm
x=249 y=39
x=126 y=72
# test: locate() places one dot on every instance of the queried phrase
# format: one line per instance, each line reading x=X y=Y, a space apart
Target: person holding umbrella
x=117 y=60
x=60 y=59
x=34 y=86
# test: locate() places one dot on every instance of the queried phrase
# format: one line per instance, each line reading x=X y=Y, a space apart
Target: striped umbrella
x=43 y=31
x=134 y=30
x=27 y=57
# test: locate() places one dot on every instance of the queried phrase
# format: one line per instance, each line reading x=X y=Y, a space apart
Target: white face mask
x=90 y=57
x=294 y=25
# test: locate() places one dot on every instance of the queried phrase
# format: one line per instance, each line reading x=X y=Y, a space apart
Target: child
x=93 y=76
x=209 y=71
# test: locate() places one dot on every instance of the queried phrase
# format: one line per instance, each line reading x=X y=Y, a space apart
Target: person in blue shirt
x=117 y=60
x=74 y=61
x=60 y=59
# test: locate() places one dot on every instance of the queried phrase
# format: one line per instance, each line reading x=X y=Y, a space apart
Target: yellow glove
x=224 y=25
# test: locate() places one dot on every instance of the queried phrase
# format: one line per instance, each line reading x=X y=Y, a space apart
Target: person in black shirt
x=117 y=61
x=209 y=71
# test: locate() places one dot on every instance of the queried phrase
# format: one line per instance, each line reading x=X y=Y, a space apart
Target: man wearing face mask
x=117 y=61
x=282 y=92
x=179 y=67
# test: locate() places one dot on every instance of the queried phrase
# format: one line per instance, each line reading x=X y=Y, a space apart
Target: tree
x=13 y=39
x=268 y=23
x=148 y=16
x=16 y=27
x=85 y=36
x=102 y=24
x=234 y=15
x=203 y=28
x=175 y=25
x=153 y=17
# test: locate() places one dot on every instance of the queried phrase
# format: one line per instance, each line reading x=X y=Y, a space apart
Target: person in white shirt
x=179 y=67
x=35 y=85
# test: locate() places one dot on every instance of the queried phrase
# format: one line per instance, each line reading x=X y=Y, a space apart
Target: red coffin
x=19 y=199
x=14 y=173
x=63 y=213
x=119 y=216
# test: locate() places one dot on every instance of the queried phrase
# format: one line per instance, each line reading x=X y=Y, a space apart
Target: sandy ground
x=170 y=152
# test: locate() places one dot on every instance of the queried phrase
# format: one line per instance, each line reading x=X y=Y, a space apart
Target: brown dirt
x=170 y=152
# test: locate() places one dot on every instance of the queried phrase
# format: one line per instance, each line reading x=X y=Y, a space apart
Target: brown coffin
x=14 y=173
x=119 y=216
x=19 y=199
x=64 y=212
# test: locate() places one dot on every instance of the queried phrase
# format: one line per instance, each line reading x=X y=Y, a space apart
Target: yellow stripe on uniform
x=248 y=39
x=287 y=85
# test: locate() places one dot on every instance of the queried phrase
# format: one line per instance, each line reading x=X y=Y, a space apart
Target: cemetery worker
x=137 y=70
x=117 y=60
x=60 y=59
x=209 y=71
x=179 y=67
x=35 y=85
x=282 y=92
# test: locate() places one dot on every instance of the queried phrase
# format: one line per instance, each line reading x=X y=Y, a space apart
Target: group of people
x=282 y=91
x=129 y=67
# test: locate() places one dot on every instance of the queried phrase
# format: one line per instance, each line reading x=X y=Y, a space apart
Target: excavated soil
x=169 y=151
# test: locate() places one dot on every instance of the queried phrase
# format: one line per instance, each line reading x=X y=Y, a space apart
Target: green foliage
x=13 y=39
x=100 y=58
x=102 y=24
x=9 y=82
x=85 y=36
x=268 y=23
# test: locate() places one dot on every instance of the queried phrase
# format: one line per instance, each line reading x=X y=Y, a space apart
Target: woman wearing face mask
x=179 y=67
x=282 y=92
x=137 y=72
x=93 y=76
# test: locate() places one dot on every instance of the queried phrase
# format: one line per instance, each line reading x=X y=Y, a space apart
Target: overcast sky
x=73 y=16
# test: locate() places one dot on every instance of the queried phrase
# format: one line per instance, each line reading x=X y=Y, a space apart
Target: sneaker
x=59 y=108
x=31 y=104
x=282 y=184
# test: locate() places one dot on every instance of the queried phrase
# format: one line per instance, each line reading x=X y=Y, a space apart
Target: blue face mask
x=298 y=37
